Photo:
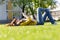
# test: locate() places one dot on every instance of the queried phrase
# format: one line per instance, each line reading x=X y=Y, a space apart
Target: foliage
x=34 y=4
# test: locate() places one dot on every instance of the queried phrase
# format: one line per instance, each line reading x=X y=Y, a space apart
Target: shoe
x=55 y=23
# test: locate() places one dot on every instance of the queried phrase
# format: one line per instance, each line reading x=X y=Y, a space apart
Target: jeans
x=41 y=19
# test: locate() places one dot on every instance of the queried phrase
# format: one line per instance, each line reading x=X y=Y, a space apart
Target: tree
x=21 y=3
x=33 y=4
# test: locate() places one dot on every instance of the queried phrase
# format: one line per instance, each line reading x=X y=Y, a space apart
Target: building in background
x=7 y=12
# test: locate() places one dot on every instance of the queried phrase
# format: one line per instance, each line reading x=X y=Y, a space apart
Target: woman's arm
x=25 y=15
x=20 y=21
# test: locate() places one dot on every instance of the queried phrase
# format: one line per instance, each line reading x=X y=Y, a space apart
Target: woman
x=27 y=20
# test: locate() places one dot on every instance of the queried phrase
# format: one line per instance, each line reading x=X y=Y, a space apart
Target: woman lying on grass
x=27 y=20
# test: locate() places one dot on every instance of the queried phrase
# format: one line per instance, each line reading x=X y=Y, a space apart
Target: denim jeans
x=41 y=19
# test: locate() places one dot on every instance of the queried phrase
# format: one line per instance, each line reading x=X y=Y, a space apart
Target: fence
x=56 y=15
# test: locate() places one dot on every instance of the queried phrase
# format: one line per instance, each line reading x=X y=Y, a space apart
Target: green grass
x=40 y=32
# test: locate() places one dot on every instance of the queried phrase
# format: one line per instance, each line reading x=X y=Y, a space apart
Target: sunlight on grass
x=37 y=32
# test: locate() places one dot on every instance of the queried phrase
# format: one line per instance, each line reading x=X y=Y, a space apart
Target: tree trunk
x=31 y=9
x=23 y=8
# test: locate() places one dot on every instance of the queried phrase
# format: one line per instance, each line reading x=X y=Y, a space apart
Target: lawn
x=37 y=32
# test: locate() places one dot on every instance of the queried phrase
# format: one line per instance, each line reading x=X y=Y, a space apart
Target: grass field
x=37 y=32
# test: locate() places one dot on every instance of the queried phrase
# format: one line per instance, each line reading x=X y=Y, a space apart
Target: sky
x=58 y=6
x=58 y=1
